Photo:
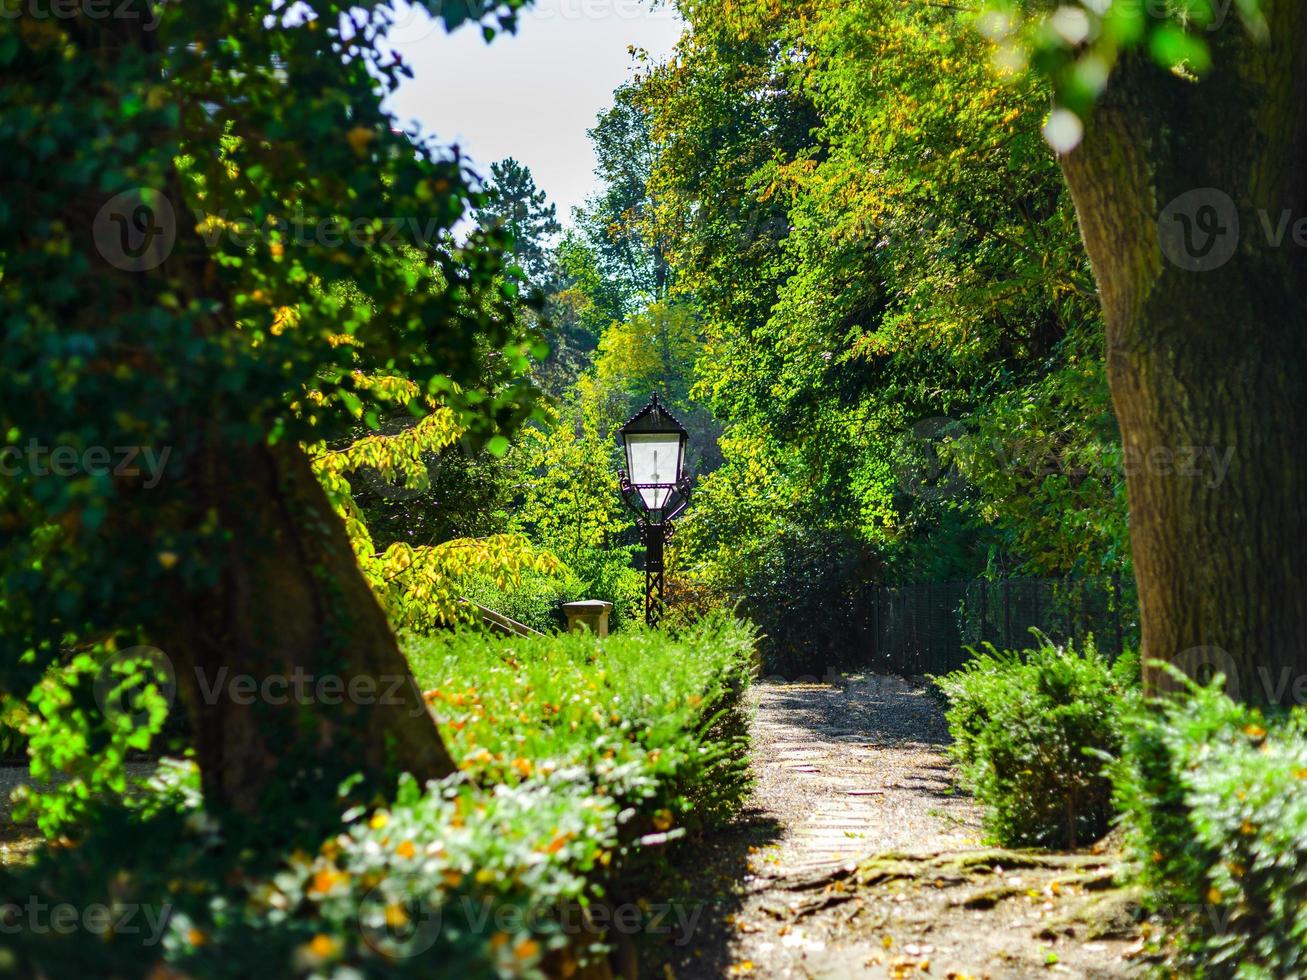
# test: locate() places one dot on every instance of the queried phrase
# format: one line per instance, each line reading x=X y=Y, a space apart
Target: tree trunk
x=288 y=668
x=1181 y=189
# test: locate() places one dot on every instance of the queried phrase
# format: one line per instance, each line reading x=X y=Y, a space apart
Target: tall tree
x=1183 y=185
x=619 y=220
x=192 y=178
x=582 y=305
x=520 y=209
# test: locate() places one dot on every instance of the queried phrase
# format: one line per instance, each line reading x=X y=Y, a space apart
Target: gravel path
x=18 y=842
x=845 y=773
x=855 y=768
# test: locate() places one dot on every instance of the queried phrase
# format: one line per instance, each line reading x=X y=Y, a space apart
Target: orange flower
x=322 y=946
x=557 y=843
x=526 y=949
x=325 y=879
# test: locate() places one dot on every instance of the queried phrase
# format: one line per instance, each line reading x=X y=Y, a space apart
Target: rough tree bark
x=1208 y=354
x=328 y=692
x=285 y=661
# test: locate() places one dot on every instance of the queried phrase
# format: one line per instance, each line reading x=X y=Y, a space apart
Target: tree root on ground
x=839 y=883
x=1112 y=915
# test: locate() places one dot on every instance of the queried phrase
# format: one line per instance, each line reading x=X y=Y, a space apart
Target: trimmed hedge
x=577 y=756
x=1213 y=797
x=1029 y=729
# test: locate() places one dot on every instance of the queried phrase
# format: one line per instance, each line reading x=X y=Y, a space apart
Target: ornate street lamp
x=655 y=487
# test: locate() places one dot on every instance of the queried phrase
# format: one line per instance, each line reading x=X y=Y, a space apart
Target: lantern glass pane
x=654 y=461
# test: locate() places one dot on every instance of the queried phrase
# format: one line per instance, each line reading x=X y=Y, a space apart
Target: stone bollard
x=591 y=614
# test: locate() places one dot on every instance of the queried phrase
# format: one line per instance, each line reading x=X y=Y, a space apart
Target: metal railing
x=497 y=622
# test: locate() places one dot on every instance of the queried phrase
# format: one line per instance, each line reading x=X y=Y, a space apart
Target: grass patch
x=578 y=758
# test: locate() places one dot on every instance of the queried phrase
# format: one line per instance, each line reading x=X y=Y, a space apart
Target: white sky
x=531 y=95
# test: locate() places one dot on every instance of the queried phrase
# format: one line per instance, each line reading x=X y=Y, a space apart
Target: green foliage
x=1029 y=732
x=582 y=304
x=609 y=574
x=1078 y=47
x=901 y=335
x=618 y=221
x=578 y=756
x=633 y=711
x=1213 y=801
x=297 y=256
x=802 y=588
x=521 y=210
x=569 y=500
x=80 y=723
x=536 y=598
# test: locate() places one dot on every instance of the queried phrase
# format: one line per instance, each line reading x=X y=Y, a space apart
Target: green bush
x=802 y=586
x=536 y=600
x=578 y=757
x=1213 y=797
x=1027 y=730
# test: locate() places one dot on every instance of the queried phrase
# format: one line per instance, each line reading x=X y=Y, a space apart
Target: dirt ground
x=861 y=856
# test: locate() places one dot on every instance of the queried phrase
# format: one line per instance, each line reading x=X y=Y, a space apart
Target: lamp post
x=655 y=487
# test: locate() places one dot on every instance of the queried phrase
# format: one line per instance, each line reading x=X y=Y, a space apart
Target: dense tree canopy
x=197 y=186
